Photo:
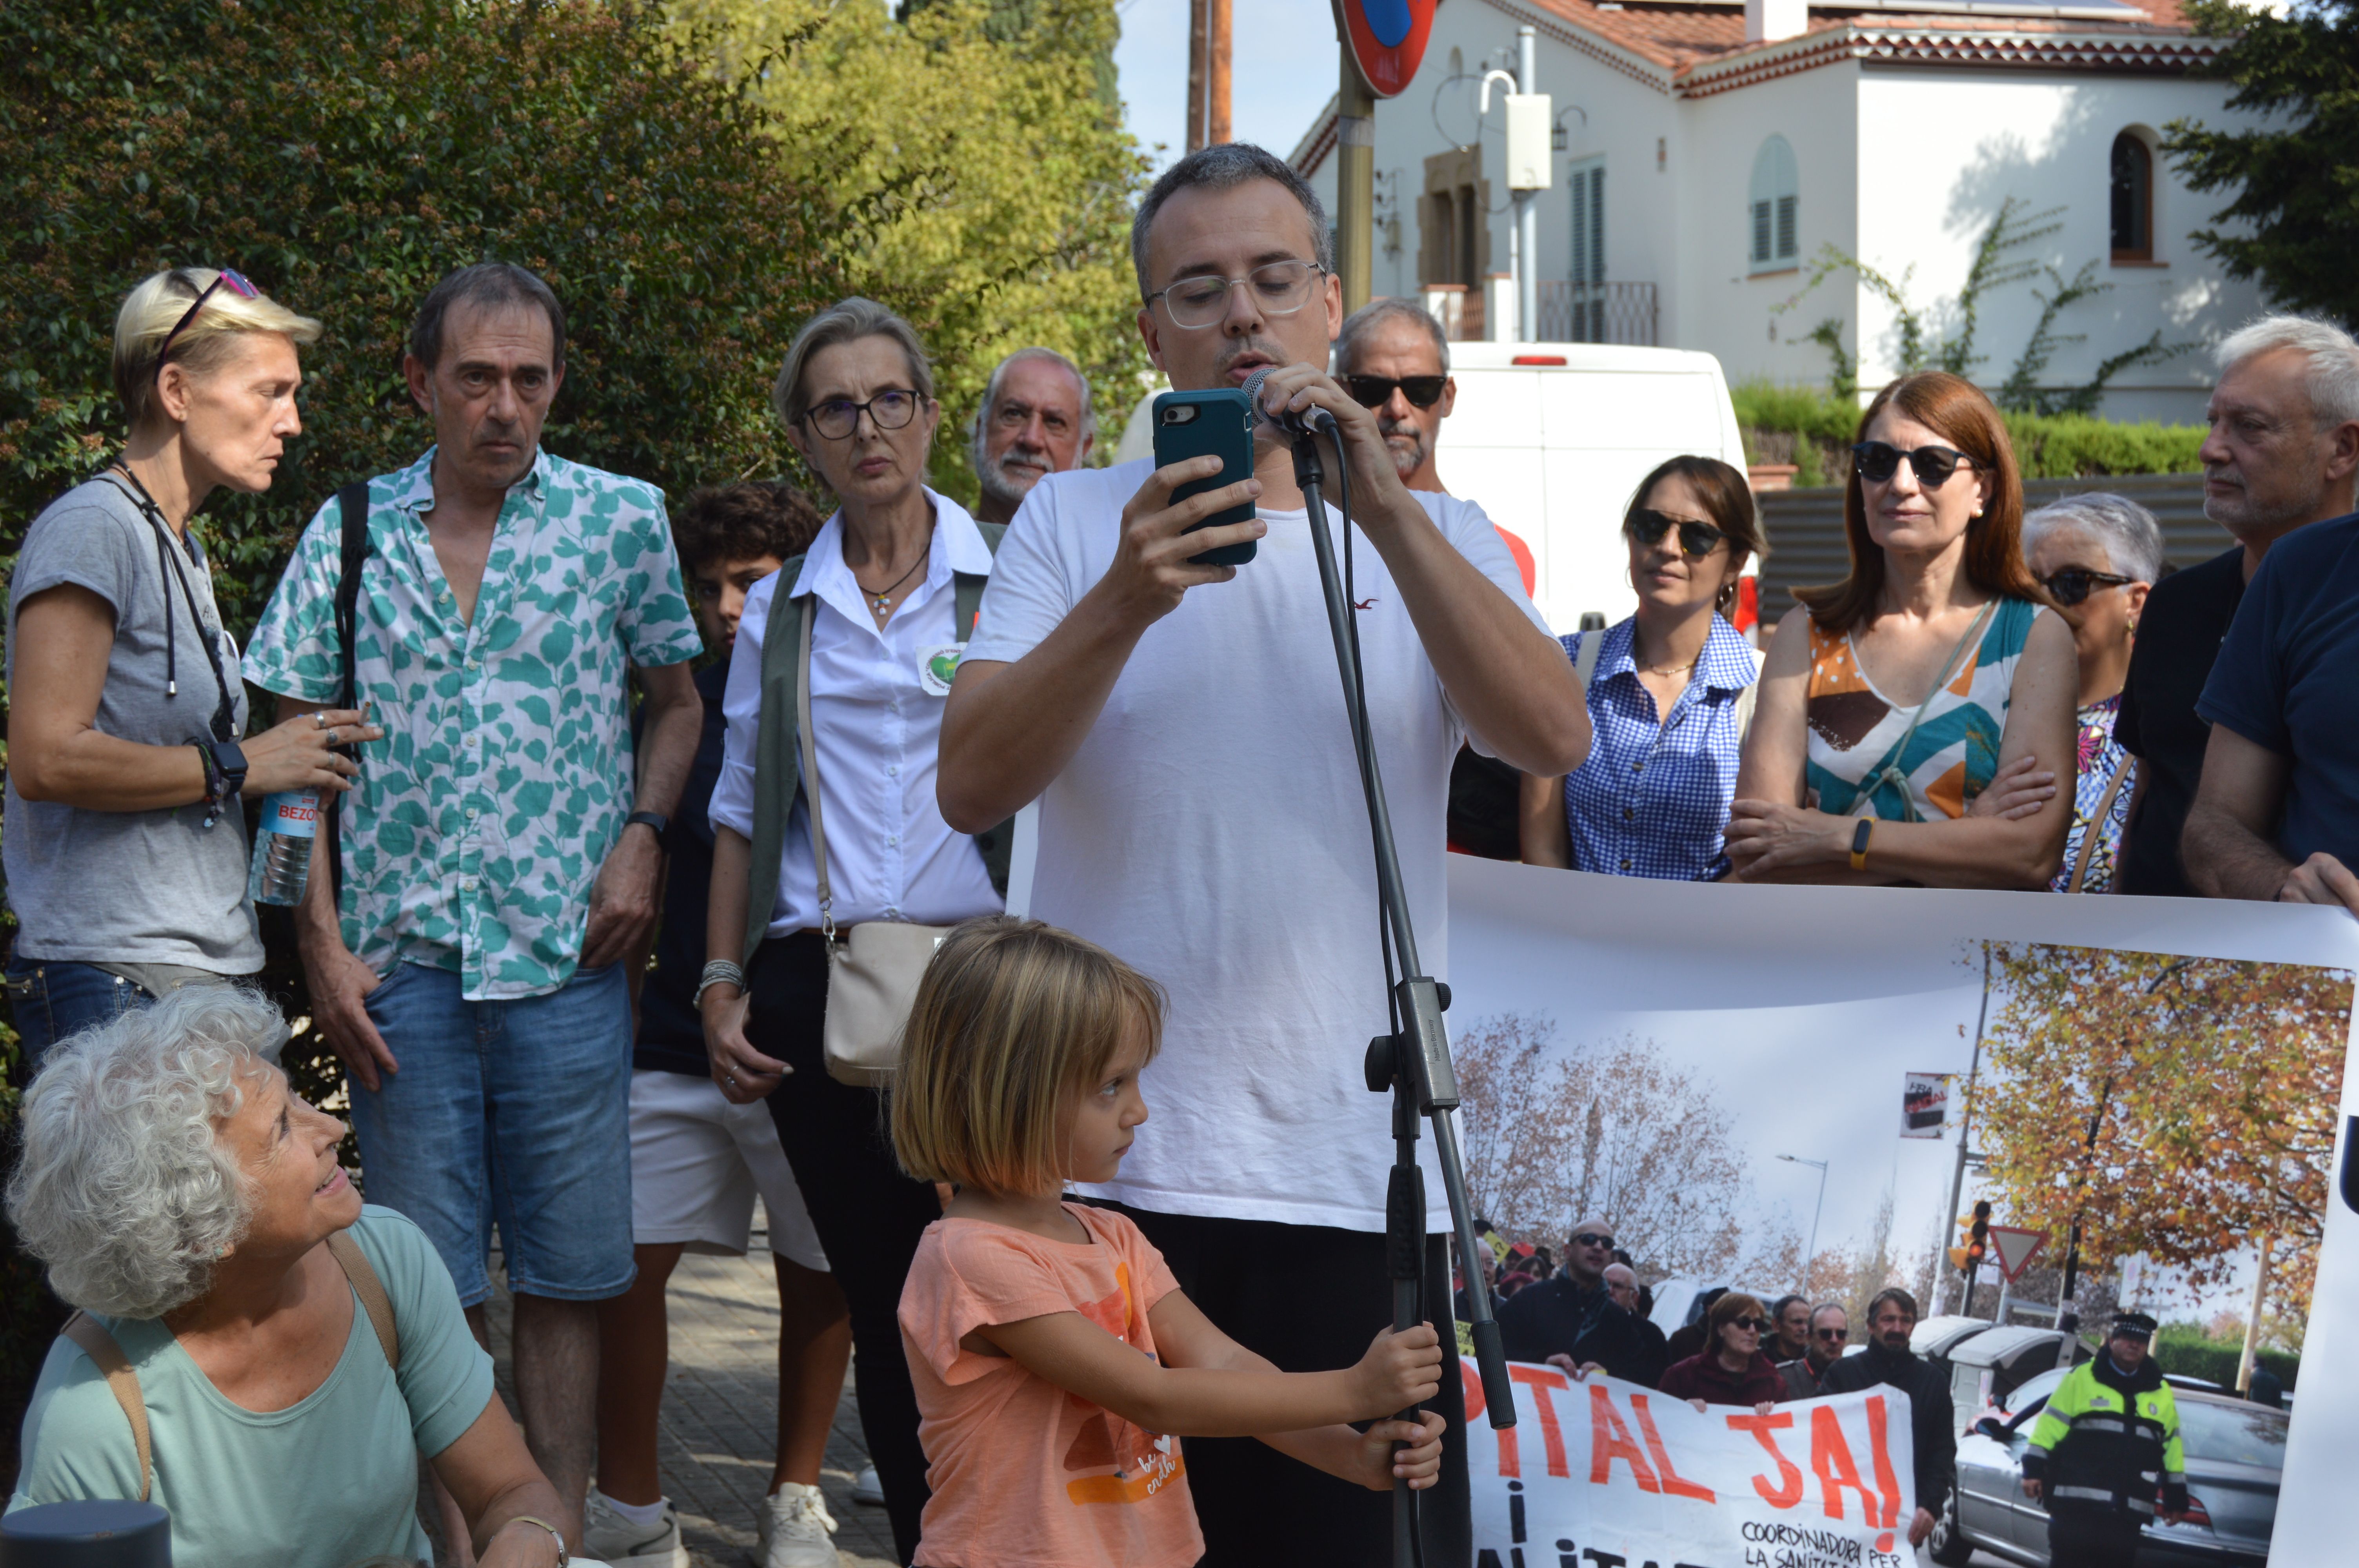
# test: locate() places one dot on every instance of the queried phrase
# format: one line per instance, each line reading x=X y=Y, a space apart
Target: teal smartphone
x=1218 y=423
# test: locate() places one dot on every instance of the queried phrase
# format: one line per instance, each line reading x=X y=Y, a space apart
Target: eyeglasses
x=1375 y=391
x=1758 y=1325
x=228 y=278
x=1832 y=1335
x=1697 y=540
x=1879 y=460
x=2075 y=584
x=1591 y=1239
x=838 y=416
x=1280 y=288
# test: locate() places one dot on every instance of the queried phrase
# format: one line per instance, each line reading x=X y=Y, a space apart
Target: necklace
x=882 y=604
x=1670 y=669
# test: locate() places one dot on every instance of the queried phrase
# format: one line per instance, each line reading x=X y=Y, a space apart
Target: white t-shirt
x=1211 y=831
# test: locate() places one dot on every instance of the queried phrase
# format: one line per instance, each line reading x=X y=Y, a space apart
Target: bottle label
x=294 y=813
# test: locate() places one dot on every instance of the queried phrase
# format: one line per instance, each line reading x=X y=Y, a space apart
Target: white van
x=1550 y=439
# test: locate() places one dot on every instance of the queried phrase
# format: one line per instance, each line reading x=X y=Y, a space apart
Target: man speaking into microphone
x=1184 y=729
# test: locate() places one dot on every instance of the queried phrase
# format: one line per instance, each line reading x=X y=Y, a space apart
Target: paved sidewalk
x=719 y=1419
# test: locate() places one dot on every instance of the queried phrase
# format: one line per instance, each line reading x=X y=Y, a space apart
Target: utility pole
x=1356 y=184
x=1966 y=1110
x=1528 y=207
x=1208 y=73
x=1199 y=29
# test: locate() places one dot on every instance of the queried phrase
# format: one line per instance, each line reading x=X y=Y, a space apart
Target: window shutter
x=1760 y=232
x=1786 y=240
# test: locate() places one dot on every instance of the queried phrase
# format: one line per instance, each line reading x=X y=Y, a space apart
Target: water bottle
x=282 y=845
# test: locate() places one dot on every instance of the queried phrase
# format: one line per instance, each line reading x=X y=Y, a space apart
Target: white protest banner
x=1603 y=1474
x=1646 y=1051
x=1924 y=1104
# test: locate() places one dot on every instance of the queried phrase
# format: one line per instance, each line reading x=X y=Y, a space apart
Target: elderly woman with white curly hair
x=257 y=1351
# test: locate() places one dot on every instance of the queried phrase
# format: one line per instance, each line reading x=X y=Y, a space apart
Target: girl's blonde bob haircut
x=1012 y=1016
x=207 y=344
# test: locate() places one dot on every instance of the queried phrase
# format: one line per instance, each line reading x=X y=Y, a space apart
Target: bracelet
x=555 y=1534
x=718 y=971
x=214 y=793
x=1859 y=839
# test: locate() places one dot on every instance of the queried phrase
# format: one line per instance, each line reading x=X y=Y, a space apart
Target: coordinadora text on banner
x=1600 y=1471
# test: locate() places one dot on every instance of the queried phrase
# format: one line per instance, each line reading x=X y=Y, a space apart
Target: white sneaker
x=867 y=1489
x=795 y=1529
x=608 y=1537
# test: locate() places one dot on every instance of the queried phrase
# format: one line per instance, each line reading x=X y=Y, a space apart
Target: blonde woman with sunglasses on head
x=1669 y=692
x=1895 y=698
x=128 y=746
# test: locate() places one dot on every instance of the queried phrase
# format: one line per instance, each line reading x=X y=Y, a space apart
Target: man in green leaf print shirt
x=498 y=856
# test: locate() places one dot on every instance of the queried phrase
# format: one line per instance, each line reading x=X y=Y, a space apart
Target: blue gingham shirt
x=1653 y=798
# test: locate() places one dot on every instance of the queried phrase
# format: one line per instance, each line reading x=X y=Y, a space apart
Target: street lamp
x=1820 y=1166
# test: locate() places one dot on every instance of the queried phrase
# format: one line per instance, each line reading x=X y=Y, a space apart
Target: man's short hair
x=1223 y=167
x=486 y=285
x=1828 y=1307
x=2133 y=538
x=978 y=427
x=1906 y=1302
x=1778 y=1308
x=1370 y=318
x=744 y=522
x=2333 y=379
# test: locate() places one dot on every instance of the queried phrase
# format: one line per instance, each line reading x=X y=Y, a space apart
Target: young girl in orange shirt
x=1057 y=1362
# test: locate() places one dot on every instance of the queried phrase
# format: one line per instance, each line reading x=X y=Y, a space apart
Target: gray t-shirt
x=154 y=887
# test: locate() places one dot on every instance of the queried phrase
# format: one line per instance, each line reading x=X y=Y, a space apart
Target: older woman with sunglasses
x=1668 y=690
x=1893 y=698
x=128 y=746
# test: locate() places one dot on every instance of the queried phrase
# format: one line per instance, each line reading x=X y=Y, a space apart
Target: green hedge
x=1818 y=427
x=2186 y=1349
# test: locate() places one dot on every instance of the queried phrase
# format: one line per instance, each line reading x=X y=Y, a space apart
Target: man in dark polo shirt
x=2283 y=449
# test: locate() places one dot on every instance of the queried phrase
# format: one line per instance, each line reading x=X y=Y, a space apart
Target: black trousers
x=1309 y=1298
x=2092 y=1540
x=868 y=1214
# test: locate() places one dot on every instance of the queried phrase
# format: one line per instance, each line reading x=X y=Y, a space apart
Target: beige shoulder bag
x=874 y=968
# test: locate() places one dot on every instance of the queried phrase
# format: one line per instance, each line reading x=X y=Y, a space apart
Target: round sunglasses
x=1697 y=540
x=2074 y=585
x=1375 y=391
x=1879 y=460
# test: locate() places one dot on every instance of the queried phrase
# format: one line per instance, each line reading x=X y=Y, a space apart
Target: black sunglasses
x=1758 y=1325
x=1879 y=460
x=1837 y=1334
x=1375 y=391
x=1697 y=540
x=2075 y=584
x=1591 y=1239
x=229 y=278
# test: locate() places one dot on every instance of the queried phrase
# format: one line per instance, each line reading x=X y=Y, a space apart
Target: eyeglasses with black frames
x=1878 y=461
x=891 y=409
x=2074 y=585
x=1697 y=540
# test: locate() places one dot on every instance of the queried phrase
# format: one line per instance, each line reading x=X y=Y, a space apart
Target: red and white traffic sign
x=1387 y=38
x=2015 y=1248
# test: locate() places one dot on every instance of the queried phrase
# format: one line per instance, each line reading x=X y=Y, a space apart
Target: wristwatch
x=655 y=820
x=229 y=758
x=1859 y=837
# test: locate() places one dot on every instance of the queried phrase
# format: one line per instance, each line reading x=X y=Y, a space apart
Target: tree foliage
x=2292 y=180
x=2213 y=1087
x=1001 y=174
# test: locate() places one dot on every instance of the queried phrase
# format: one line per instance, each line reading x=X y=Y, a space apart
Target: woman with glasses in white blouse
x=884 y=594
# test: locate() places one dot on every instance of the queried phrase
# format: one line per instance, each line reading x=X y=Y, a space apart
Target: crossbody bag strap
x=1890 y=773
x=1584 y=663
x=2097 y=825
x=351 y=509
x=811 y=770
x=121 y=1381
x=371 y=1290
x=774 y=757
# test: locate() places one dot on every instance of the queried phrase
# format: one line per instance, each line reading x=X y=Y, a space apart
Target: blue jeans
x=512 y=1111
x=52 y=999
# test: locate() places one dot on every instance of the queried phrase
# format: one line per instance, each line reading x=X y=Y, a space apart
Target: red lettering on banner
x=1789 y=1487
x=1609 y=1440
x=1830 y=1458
x=1674 y=1483
x=1471 y=1380
x=1542 y=1379
x=1878 y=1438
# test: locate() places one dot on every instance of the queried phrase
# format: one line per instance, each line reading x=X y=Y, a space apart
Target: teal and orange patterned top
x=1857 y=766
x=479 y=823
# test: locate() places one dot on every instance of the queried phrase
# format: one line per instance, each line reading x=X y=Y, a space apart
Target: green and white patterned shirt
x=478 y=824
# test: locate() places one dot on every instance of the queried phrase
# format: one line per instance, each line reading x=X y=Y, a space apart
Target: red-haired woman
x=1892 y=699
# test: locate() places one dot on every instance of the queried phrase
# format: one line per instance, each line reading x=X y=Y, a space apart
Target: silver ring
x=729 y=1078
x=320 y=719
x=332 y=735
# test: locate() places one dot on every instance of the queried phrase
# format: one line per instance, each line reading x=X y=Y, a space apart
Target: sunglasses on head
x=1375 y=391
x=1591 y=1239
x=1697 y=540
x=1879 y=460
x=228 y=278
x=2075 y=584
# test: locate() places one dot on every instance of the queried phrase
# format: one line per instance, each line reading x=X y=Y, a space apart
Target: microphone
x=1293 y=424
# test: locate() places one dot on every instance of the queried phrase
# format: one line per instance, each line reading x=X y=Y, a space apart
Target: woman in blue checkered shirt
x=1671 y=691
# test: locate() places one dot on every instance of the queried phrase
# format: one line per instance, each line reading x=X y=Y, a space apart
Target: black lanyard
x=224 y=720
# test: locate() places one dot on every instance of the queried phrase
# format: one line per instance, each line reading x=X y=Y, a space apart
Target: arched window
x=1773 y=221
x=2133 y=207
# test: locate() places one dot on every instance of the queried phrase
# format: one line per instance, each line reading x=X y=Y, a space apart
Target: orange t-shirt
x=1024 y=1474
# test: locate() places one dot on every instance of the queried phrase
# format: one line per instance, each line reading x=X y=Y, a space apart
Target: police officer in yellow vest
x=2107 y=1441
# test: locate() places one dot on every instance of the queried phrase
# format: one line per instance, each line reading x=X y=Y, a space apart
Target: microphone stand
x=1413 y=1063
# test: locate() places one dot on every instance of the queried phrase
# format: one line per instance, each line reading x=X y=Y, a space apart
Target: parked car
x=2236 y=1459
x=1935 y=1337
x=1986 y=1366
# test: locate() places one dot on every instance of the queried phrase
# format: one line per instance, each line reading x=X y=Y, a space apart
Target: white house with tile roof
x=1710 y=151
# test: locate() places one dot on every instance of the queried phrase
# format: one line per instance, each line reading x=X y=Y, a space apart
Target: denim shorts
x=50 y=1000
x=510 y=1112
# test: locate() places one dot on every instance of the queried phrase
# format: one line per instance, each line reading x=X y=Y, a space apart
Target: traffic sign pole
x=1356 y=183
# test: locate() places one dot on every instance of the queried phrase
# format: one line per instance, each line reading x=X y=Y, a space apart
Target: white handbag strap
x=810 y=771
x=1584 y=663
